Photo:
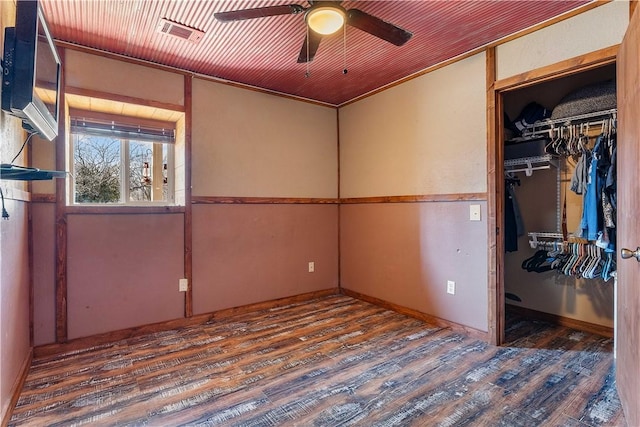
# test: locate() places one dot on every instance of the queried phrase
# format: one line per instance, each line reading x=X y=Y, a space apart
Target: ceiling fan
x=323 y=18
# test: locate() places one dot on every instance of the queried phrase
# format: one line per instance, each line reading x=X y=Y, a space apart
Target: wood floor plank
x=594 y=404
x=369 y=378
x=332 y=361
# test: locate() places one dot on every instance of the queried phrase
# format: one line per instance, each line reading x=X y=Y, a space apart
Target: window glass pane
x=111 y=169
x=96 y=169
x=141 y=169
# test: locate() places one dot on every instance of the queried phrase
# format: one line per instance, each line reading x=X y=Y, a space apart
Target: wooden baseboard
x=579 y=325
x=17 y=388
x=113 y=336
x=471 y=332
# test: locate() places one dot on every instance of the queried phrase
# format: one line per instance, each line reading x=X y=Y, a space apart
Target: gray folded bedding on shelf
x=587 y=99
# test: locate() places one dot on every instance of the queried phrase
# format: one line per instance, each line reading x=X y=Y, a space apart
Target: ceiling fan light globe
x=325 y=20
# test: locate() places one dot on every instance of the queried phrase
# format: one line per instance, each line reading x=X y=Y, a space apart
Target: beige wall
x=123 y=271
x=425 y=136
x=14 y=304
x=14 y=252
x=44 y=272
x=596 y=29
x=251 y=144
x=244 y=254
x=428 y=136
x=43 y=156
x=43 y=242
x=405 y=253
x=124 y=283
x=245 y=143
x=94 y=72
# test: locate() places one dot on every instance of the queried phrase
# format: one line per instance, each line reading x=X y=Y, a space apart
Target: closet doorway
x=628 y=108
x=541 y=188
x=559 y=255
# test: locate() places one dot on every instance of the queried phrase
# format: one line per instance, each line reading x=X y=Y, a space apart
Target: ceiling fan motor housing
x=325 y=17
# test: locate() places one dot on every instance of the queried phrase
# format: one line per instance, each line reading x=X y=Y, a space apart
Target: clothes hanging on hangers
x=540 y=262
x=513 y=225
x=598 y=214
x=590 y=222
x=584 y=260
x=610 y=201
x=581 y=173
x=594 y=178
x=610 y=183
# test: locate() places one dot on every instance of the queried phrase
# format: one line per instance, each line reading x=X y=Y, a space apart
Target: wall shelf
x=21 y=173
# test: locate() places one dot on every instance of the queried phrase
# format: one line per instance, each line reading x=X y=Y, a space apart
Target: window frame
x=125 y=167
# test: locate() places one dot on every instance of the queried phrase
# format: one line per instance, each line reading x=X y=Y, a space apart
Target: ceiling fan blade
x=259 y=12
x=313 y=39
x=377 y=27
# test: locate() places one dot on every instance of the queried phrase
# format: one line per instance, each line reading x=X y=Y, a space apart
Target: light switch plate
x=474 y=212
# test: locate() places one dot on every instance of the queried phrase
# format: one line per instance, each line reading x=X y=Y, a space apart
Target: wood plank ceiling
x=263 y=52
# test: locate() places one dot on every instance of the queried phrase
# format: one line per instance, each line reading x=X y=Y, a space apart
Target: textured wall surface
x=44 y=273
x=123 y=271
x=596 y=29
x=425 y=136
x=247 y=143
x=250 y=253
x=14 y=252
x=405 y=253
x=94 y=72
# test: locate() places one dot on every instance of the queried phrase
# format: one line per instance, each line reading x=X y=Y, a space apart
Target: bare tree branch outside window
x=97 y=169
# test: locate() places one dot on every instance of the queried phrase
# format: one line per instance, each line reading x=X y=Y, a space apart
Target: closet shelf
x=530 y=164
x=595 y=118
x=549 y=238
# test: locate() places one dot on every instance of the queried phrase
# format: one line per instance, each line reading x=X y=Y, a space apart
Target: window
x=119 y=162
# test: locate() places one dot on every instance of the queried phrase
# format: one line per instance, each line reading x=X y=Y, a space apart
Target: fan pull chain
x=308 y=73
x=344 y=49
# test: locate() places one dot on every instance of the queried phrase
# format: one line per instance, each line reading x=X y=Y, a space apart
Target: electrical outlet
x=451 y=287
x=183 y=285
x=312 y=267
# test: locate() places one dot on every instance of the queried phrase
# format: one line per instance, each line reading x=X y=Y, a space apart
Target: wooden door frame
x=495 y=163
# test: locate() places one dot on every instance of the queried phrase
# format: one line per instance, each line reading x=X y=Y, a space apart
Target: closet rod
x=545 y=125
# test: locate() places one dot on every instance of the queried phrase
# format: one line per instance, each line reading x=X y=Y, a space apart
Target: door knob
x=628 y=253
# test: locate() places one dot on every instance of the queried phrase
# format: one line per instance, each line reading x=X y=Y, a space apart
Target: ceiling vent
x=180 y=31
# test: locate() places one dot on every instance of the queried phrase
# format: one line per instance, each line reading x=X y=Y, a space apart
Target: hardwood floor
x=334 y=361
